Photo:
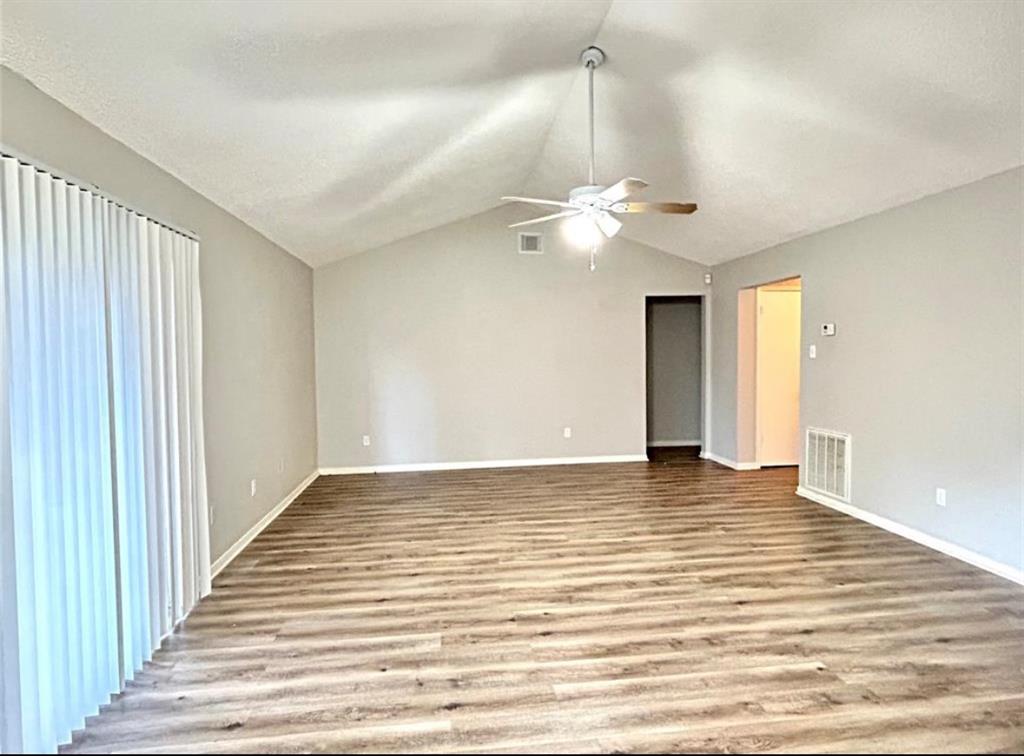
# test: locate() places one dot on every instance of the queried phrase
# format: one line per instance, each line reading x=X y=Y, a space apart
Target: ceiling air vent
x=827 y=463
x=531 y=244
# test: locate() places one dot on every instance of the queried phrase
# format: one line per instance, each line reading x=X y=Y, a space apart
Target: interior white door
x=778 y=377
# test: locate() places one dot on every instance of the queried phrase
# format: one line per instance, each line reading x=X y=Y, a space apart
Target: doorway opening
x=675 y=376
x=768 y=374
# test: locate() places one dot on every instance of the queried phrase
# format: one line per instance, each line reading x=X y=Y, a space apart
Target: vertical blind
x=104 y=542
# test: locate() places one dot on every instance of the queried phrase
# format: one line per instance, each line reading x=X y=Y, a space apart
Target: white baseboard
x=686 y=442
x=224 y=559
x=730 y=462
x=481 y=464
x=945 y=547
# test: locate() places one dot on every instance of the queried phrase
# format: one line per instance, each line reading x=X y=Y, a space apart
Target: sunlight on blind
x=103 y=516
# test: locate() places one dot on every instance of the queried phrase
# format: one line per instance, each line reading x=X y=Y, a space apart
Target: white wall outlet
x=812 y=352
x=252 y=488
x=366 y=440
x=940 y=497
x=707 y=279
x=828 y=329
x=567 y=432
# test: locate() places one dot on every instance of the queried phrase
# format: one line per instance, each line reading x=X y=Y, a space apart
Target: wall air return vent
x=827 y=463
x=530 y=243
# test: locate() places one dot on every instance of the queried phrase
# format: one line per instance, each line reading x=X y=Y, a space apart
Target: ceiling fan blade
x=676 y=208
x=623 y=189
x=563 y=214
x=609 y=226
x=534 y=201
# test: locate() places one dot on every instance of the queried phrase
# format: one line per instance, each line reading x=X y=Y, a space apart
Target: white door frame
x=705 y=356
x=752 y=432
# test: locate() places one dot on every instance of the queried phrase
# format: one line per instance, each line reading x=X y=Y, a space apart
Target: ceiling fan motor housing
x=588 y=199
x=583 y=192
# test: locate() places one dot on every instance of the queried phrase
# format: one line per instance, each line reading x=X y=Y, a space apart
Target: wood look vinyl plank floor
x=672 y=606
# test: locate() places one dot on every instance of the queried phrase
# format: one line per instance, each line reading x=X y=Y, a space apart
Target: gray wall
x=926 y=368
x=449 y=346
x=258 y=360
x=674 y=370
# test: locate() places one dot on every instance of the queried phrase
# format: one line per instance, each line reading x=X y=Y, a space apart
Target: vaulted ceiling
x=335 y=127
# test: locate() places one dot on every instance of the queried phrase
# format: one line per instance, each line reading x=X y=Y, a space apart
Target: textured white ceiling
x=334 y=127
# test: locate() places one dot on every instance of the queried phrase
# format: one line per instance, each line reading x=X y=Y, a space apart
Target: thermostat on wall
x=828 y=329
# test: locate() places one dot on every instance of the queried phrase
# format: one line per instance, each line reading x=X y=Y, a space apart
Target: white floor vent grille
x=827 y=463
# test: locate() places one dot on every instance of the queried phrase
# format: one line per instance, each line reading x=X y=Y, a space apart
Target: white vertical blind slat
x=80 y=593
x=150 y=473
x=158 y=409
x=10 y=705
x=200 y=504
x=122 y=251
x=8 y=590
x=173 y=456
x=33 y=530
x=58 y=408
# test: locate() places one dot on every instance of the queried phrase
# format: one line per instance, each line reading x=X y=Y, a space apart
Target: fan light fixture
x=581 y=231
x=591 y=209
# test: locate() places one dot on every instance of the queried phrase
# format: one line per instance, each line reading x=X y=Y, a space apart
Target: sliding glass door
x=103 y=513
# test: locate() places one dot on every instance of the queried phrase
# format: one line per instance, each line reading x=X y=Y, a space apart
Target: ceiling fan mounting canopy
x=592 y=56
x=595 y=202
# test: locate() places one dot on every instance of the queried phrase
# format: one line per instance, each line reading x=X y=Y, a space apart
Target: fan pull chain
x=593 y=254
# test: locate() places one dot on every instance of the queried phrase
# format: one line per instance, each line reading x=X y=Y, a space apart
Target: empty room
x=512 y=376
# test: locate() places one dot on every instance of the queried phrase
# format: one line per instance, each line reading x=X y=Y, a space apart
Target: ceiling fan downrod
x=591 y=58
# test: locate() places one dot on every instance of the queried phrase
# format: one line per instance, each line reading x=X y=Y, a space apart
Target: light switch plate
x=812 y=352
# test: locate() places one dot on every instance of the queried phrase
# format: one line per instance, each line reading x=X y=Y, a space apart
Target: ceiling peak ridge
x=531 y=174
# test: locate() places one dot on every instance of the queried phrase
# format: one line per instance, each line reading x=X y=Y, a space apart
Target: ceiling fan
x=598 y=205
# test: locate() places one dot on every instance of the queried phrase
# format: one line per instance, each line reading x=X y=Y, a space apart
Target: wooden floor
x=672 y=606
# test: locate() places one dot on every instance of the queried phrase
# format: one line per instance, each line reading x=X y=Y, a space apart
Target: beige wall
x=257 y=311
x=449 y=346
x=926 y=368
x=674 y=370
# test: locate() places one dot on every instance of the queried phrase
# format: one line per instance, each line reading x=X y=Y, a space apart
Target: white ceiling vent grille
x=827 y=463
x=530 y=243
